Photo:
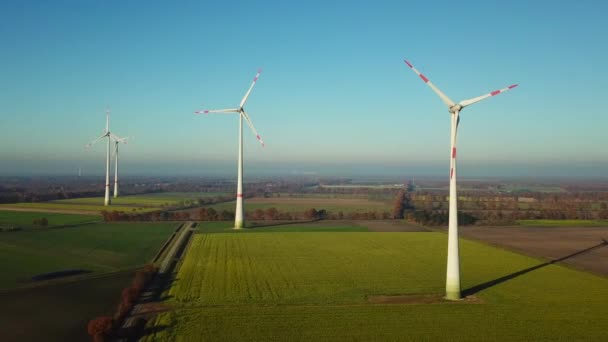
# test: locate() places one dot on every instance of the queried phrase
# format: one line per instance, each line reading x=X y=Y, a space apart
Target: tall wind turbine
x=106 y=134
x=117 y=140
x=239 y=220
x=452 y=285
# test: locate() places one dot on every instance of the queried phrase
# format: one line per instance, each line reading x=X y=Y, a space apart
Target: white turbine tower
x=452 y=285
x=106 y=134
x=239 y=220
x=117 y=140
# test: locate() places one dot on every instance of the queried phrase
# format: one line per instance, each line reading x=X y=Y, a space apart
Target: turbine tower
x=239 y=220
x=452 y=285
x=106 y=134
x=117 y=140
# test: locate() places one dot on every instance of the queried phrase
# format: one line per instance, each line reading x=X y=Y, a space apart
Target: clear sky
x=334 y=95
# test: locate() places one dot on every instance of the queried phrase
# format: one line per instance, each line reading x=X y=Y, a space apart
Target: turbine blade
x=107 y=119
x=443 y=97
x=257 y=135
x=255 y=79
x=207 y=111
x=469 y=102
x=96 y=140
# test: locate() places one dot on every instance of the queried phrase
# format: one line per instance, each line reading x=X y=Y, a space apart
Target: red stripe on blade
x=408 y=63
x=495 y=92
x=512 y=86
x=454 y=152
x=451 y=173
x=426 y=80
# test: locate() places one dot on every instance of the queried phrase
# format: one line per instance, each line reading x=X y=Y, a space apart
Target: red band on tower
x=239 y=195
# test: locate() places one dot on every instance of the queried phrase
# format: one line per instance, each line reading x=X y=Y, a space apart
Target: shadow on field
x=481 y=287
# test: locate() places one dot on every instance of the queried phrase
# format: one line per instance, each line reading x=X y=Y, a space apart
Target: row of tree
x=269 y=214
x=104 y=328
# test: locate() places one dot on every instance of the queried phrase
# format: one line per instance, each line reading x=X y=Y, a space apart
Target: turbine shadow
x=497 y=281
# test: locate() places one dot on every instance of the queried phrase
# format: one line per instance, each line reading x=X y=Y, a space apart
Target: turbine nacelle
x=455 y=108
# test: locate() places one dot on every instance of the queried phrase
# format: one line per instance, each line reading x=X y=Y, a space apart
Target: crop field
x=137 y=203
x=25 y=219
x=95 y=247
x=317 y=286
x=301 y=204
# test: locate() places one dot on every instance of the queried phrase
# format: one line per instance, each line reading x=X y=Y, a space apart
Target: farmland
x=134 y=203
x=227 y=227
x=60 y=311
x=25 y=219
x=551 y=243
x=301 y=204
x=316 y=286
x=94 y=247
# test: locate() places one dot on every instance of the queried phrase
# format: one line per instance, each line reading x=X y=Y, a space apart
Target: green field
x=25 y=219
x=563 y=223
x=96 y=247
x=314 y=287
x=136 y=203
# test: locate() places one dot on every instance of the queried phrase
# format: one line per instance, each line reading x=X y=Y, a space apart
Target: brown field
x=585 y=248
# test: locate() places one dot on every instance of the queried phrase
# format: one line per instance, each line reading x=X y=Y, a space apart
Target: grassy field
x=95 y=247
x=137 y=203
x=301 y=204
x=563 y=223
x=25 y=219
x=314 y=287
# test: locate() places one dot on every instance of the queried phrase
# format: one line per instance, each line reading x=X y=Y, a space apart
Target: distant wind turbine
x=452 y=285
x=106 y=134
x=239 y=220
x=117 y=140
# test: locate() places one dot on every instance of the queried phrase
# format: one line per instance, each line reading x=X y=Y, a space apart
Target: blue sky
x=334 y=94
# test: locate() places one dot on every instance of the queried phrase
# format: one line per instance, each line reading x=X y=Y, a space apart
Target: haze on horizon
x=335 y=96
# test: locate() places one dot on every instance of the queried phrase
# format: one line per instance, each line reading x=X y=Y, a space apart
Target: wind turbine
x=452 y=285
x=239 y=217
x=106 y=134
x=117 y=140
